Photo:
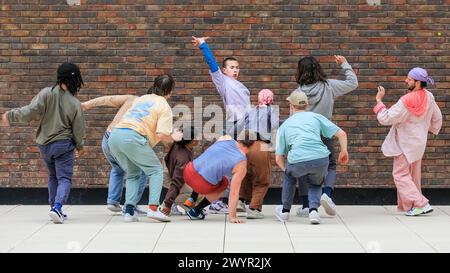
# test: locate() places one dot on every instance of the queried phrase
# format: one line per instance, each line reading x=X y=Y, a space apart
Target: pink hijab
x=265 y=97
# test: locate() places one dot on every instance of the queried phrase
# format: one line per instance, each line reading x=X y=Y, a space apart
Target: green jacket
x=59 y=113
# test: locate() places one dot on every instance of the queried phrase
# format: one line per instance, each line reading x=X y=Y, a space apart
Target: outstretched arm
x=207 y=53
x=396 y=114
x=111 y=101
x=216 y=74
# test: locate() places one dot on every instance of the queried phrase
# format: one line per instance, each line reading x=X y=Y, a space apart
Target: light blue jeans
x=117 y=175
x=134 y=155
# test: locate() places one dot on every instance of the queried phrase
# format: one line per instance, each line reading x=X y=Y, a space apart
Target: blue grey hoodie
x=321 y=95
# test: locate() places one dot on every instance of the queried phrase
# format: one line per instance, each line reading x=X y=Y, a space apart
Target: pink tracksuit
x=406 y=142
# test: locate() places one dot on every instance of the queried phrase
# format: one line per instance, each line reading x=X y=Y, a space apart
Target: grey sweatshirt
x=321 y=95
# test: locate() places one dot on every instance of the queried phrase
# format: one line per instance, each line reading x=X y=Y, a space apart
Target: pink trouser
x=407 y=180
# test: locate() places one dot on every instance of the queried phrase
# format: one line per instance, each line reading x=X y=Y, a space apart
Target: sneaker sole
x=159 y=219
x=217 y=212
x=127 y=220
x=329 y=210
x=55 y=218
x=315 y=222
x=428 y=211
x=114 y=209
x=255 y=217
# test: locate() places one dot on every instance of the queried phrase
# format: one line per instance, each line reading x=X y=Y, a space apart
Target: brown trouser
x=258 y=178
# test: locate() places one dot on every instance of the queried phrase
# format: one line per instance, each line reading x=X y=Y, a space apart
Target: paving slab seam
x=410 y=229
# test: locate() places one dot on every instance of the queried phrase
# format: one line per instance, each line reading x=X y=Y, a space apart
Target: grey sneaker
x=218 y=207
x=282 y=216
x=314 y=217
x=254 y=214
x=176 y=210
x=328 y=204
x=302 y=212
x=114 y=207
x=240 y=206
x=130 y=218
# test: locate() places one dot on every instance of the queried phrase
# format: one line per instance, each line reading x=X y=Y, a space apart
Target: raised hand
x=198 y=41
x=339 y=59
x=380 y=94
x=177 y=135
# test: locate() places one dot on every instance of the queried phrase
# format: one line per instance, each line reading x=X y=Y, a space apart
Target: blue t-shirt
x=218 y=161
x=299 y=137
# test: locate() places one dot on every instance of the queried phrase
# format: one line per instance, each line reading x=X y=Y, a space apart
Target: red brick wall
x=120 y=47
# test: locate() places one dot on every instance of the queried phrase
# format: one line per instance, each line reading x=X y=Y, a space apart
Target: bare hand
x=4 y=120
x=343 y=158
x=79 y=152
x=84 y=107
x=339 y=59
x=380 y=94
x=198 y=41
x=177 y=136
x=235 y=220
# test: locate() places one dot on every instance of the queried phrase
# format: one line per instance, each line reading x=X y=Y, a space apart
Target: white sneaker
x=254 y=214
x=114 y=207
x=282 y=216
x=128 y=218
x=314 y=217
x=240 y=206
x=302 y=212
x=158 y=215
x=138 y=212
x=328 y=204
x=56 y=216
x=427 y=208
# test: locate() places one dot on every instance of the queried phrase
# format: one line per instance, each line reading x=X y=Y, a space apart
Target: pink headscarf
x=265 y=97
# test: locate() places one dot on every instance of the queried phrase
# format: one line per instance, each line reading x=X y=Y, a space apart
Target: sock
x=225 y=200
x=153 y=207
x=194 y=196
x=328 y=191
x=242 y=200
x=205 y=202
x=255 y=209
x=285 y=210
x=58 y=206
x=305 y=201
x=311 y=209
x=129 y=209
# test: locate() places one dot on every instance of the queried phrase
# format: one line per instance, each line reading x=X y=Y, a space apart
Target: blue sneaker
x=56 y=216
x=193 y=215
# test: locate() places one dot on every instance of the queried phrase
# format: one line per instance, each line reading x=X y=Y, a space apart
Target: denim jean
x=134 y=155
x=330 y=179
x=117 y=175
x=313 y=172
x=59 y=160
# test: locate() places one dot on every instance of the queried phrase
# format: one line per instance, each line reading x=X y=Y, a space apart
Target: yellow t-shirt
x=149 y=114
